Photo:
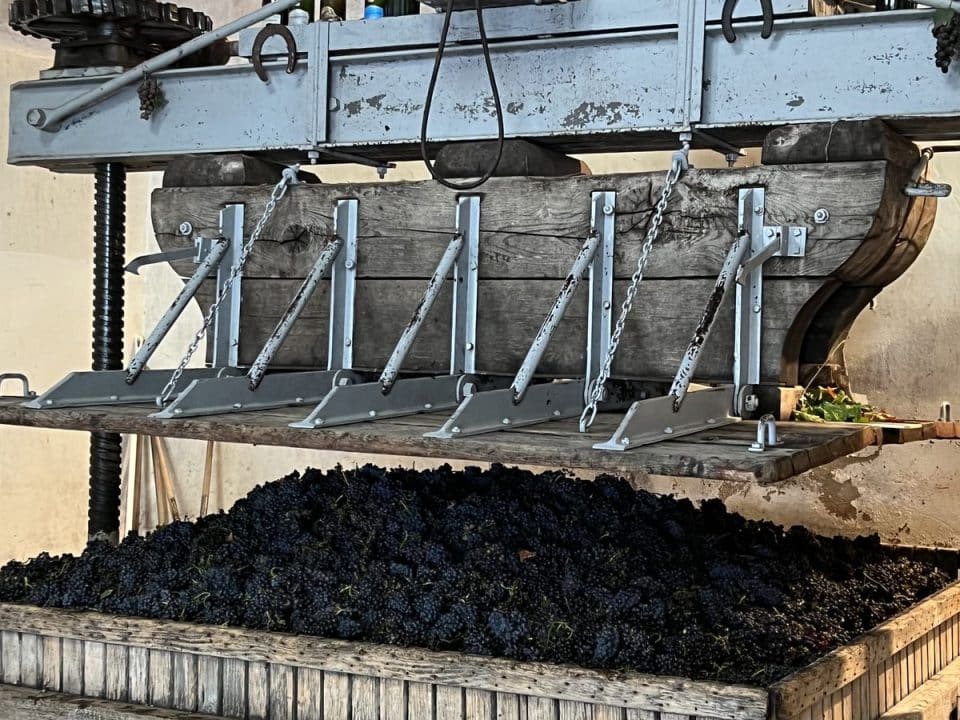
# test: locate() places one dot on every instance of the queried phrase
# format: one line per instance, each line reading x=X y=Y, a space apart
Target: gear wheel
x=107 y=32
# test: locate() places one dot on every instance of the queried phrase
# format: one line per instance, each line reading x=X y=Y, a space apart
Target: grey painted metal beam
x=598 y=82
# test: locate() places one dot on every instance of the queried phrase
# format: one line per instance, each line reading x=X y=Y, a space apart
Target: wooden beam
x=26 y=704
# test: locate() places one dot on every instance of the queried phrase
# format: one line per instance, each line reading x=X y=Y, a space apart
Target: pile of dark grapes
x=948 y=41
x=500 y=562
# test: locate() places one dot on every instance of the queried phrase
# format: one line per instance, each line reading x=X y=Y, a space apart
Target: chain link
x=289 y=178
x=597 y=388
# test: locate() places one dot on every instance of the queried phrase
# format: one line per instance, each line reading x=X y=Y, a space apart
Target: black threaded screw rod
x=109 y=240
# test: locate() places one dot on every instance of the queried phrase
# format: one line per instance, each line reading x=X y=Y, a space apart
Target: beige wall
x=901 y=353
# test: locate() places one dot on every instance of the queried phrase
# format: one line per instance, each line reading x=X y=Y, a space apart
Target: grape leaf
x=942 y=16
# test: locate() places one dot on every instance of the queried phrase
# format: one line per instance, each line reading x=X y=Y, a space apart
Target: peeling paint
x=797 y=101
x=838 y=497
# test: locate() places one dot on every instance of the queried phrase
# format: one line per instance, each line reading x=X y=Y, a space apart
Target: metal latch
x=919 y=187
x=24 y=382
x=199 y=251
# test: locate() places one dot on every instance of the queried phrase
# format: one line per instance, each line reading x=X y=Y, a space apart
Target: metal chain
x=597 y=387
x=289 y=178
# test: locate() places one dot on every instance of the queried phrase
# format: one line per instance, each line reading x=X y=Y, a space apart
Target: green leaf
x=942 y=16
x=106 y=593
x=835 y=412
x=803 y=416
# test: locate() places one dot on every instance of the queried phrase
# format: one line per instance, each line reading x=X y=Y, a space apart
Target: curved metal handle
x=27 y=392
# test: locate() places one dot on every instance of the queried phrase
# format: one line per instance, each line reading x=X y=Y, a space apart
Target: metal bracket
x=392 y=396
x=226 y=327
x=260 y=390
x=749 y=307
x=527 y=403
x=652 y=421
x=26 y=392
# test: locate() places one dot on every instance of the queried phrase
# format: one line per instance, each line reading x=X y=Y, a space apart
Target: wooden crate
x=237 y=673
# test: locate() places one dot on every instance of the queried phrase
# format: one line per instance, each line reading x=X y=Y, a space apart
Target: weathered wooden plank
x=31 y=704
x=161 y=678
x=935 y=700
x=508 y=707
x=565 y=447
x=234 y=684
x=393 y=700
x=531 y=227
x=31 y=660
x=10 y=657
x=117 y=668
x=420 y=701
x=209 y=684
x=94 y=669
x=52 y=663
x=642 y=714
x=336 y=696
x=309 y=694
x=449 y=703
x=365 y=698
x=258 y=690
x=339 y=658
x=843 y=666
x=608 y=712
x=283 y=697
x=542 y=708
x=584 y=711
x=73 y=666
x=479 y=704
x=138 y=678
x=511 y=312
x=185 y=681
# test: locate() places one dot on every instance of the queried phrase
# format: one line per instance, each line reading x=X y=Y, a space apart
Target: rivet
x=298 y=400
x=372 y=413
x=456 y=431
x=505 y=421
x=608 y=209
x=668 y=431
x=318 y=421
x=711 y=421
x=428 y=406
x=759 y=210
x=469 y=346
x=625 y=441
x=186 y=229
x=348 y=342
x=350 y=264
x=556 y=413
x=48 y=402
x=178 y=411
x=606 y=305
x=114 y=398
x=757 y=308
x=238 y=405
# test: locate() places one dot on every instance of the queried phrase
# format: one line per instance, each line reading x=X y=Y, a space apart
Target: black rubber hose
x=108 y=260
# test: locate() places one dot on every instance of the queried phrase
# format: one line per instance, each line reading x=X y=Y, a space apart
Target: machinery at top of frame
x=585 y=75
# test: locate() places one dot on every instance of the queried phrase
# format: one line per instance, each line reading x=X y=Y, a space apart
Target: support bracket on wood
x=260 y=390
x=393 y=396
x=524 y=402
x=136 y=384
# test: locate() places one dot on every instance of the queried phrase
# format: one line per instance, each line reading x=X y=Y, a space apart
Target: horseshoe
x=268 y=32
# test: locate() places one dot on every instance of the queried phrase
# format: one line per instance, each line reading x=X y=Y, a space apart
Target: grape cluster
x=151 y=97
x=499 y=562
x=948 y=41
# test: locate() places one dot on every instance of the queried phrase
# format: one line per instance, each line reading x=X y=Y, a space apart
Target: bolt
x=350 y=264
x=314 y=156
x=469 y=389
x=505 y=421
x=469 y=347
x=711 y=421
x=178 y=411
x=333 y=104
x=455 y=431
x=756 y=448
x=343 y=382
x=556 y=413
x=771 y=232
x=751 y=403
x=668 y=431
x=238 y=406
x=757 y=308
x=625 y=441
x=298 y=400
x=372 y=413
x=608 y=209
x=186 y=229
x=606 y=305
x=348 y=342
x=48 y=402
x=318 y=421
x=114 y=398
x=36 y=117
x=382 y=171
x=428 y=406
x=759 y=210
x=821 y=216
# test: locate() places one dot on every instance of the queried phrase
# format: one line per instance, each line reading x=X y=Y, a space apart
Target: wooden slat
x=283 y=692
x=10 y=657
x=450 y=703
x=608 y=712
x=935 y=700
x=209 y=685
x=117 y=664
x=73 y=666
x=479 y=705
x=633 y=714
x=138 y=677
x=508 y=707
x=309 y=694
x=52 y=663
x=419 y=666
x=393 y=700
x=542 y=708
x=29 y=704
x=336 y=696
x=31 y=660
x=258 y=690
x=185 y=681
x=234 y=701
x=161 y=678
x=365 y=698
x=843 y=666
x=557 y=444
x=94 y=669
x=582 y=711
x=420 y=701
